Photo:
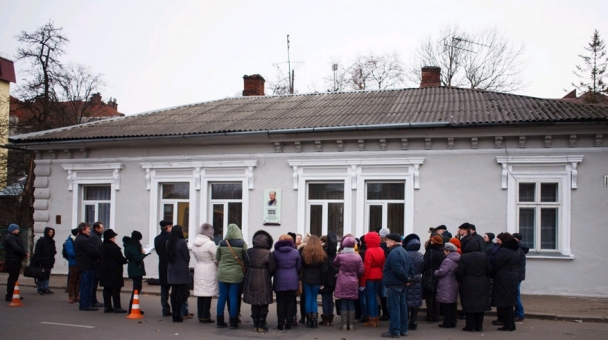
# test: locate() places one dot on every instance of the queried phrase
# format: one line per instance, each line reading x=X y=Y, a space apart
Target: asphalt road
x=51 y=317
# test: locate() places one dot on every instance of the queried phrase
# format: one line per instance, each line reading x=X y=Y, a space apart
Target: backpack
x=64 y=252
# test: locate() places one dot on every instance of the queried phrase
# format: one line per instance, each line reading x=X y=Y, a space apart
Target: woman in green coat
x=135 y=255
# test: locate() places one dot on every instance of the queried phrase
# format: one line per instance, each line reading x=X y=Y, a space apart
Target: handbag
x=299 y=290
x=237 y=258
x=35 y=272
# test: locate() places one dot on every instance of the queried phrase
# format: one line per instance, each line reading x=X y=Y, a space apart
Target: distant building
x=346 y=162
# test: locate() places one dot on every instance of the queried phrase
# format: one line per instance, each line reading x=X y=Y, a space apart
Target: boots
x=262 y=328
x=308 y=319
x=324 y=321
x=330 y=320
x=384 y=307
x=413 y=319
x=351 y=320
x=315 y=320
x=344 y=319
x=255 y=323
x=220 y=322
x=373 y=322
x=234 y=323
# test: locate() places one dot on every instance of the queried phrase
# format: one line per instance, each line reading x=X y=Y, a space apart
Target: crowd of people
x=380 y=276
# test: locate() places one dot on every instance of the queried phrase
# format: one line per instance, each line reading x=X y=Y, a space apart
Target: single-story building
x=347 y=162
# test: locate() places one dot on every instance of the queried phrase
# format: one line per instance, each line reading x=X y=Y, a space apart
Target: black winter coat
x=111 y=265
x=178 y=272
x=432 y=259
x=260 y=264
x=473 y=273
x=313 y=273
x=87 y=253
x=505 y=272
x=13 y=245
x=160 y=244
x=414 y=291
x=44 y=252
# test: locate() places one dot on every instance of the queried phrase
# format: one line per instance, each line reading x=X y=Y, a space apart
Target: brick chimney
x=96 y=98
x=254 y=85
x=431 y=76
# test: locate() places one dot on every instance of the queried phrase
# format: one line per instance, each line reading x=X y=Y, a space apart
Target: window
x=538 y=212
x=175 y=203
x=96 y=204
x=539 y=191
x=385 y=206
x=226 y=203
x=325 y=208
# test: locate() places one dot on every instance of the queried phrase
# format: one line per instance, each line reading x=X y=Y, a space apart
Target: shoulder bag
x=237 y=258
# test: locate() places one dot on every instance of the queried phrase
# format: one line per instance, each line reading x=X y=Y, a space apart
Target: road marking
x=66 y=324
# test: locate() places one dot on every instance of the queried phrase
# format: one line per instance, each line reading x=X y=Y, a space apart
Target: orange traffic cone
x=16 y=297
x=135 y=312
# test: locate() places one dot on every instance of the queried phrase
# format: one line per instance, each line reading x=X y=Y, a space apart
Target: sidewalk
x=577 y=309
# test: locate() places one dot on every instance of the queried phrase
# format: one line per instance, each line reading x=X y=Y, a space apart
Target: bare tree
x=592 y=74
x=375 y=72
x=76 y=85
x=483 y=60
x=338 y=80
x=280 y=84
x=42 y=50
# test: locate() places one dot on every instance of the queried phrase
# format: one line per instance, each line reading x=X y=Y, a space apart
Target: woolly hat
x=384 y=231
x=12 y=227
x=437 y=239
x=109 y=233
x=450 y=247
x=136 y=235
x=348 y=242
x=394 y=236
x=490 y=236
x=207 y=230
x=455 y=242
x=75 y=232
x=517 y=236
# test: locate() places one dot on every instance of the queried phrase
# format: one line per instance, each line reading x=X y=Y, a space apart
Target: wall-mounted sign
x=272 y=206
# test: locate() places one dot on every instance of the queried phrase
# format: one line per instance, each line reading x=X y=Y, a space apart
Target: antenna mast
x=290 y=73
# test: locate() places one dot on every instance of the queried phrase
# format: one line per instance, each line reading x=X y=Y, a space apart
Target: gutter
x=244 y=133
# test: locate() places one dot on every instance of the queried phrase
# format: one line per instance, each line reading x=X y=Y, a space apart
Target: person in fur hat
x=260 y=266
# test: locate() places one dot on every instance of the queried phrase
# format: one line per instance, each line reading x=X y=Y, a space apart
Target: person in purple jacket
x=286 y=281
x=347 y=284
x=447 y=288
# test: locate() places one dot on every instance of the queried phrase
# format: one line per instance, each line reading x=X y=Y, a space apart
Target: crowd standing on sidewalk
x=380 y=271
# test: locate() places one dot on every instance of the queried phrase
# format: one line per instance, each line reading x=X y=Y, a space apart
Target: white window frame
x=384 y=203
x=550 y=169
x=325 y=204
x=95 y=203
x=211 y=202
x=355 y=172
x=537 y=205
x=174 y=201
x=82 y=174
x=161 y=172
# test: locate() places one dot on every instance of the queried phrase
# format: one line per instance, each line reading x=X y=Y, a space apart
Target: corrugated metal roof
x=452 y=106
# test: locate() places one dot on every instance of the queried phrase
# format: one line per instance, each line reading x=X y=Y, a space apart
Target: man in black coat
x=87 y=255
x=160 y=244
x=95 y=236
x=523 y=250
x=468 y=232
x=15 y=253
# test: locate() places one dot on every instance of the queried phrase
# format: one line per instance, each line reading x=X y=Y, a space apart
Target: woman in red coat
x=372 y=278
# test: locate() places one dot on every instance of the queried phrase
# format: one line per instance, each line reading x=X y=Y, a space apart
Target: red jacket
x=373 y=259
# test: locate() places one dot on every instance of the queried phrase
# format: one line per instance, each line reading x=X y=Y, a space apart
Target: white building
x=349 y=162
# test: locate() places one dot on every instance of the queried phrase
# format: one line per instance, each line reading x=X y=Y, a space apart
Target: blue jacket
x=397 y=267
x=69 y=248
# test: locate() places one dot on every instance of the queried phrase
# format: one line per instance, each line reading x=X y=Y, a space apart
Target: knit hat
x=12 y=227
x=75 y=232
x=450 y=247
x=437 y=239
x=348 y=242
x=136 y=235
x=517 y=236
x=384 y=231
x=455 y=242
x=109 y=233
x=490 y=236
x=394 y=236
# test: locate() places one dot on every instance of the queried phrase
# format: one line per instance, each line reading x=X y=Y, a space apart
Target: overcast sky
x=158 y=54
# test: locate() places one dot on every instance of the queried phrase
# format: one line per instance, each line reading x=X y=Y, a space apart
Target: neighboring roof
x=7 y=70
x=437 y=106
x=14 y=189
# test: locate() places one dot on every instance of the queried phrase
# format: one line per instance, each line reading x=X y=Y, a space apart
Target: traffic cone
x=135 y=312
x=16 y=297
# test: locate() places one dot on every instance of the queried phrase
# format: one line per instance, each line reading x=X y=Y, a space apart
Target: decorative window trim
x=562 y=169
x=354 y=177
x=110 y=175
x=199 y=182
